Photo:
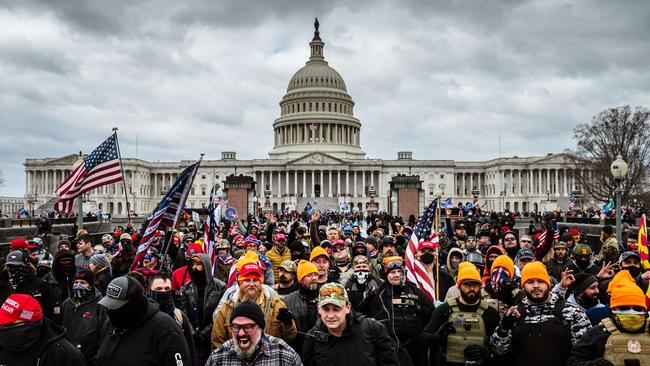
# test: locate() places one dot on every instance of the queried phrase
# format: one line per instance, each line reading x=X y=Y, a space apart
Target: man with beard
x=541 y=322
x=223 y=260
x=302 y=303
x=181 y=276
x=280 y=321
x=461 y=326
x=82 y=316
x=344 y=337
x=460 y=233
x=201 y=296
x=560 y=260
x=23 y=280
x=249 y=344
x=137 y=333
x=341 y=254
x=388 y=247
x=500 y=291
x=510 y=244
x=427 y=256
x=278 y=254
x=160 y=291
x=123 y=258
x=321 y=259
x=27 y=338
x=286 y=279
x=583 y=260
x=403 y=308
x=621 y=338
x=584 y=292
x=361 y=282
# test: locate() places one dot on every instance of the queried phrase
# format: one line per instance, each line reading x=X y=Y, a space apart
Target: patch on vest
x=634 y=346
x=471 y=320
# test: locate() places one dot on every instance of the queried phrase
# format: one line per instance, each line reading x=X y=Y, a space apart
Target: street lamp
x=619 y=172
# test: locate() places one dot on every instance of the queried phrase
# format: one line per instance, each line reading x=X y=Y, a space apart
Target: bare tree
x=621 y=130
x=2 y=179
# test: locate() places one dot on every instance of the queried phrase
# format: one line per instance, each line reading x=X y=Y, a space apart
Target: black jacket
x=83 y=323
x=39 y=290
x=201 y=318
x=50 y=349
x=364 y=342
x=303 y=305
x=155 y=340
x=60 y=284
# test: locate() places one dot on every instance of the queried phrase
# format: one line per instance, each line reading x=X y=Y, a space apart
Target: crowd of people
x=328 y=289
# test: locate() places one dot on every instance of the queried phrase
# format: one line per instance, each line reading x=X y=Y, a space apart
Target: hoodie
x=452 y=271
x=487 y=270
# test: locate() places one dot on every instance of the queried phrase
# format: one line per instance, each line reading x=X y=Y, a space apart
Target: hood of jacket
x=462 y=258
x=207 y=267
x=492 y=250
x=56 y=267
x=51 y=333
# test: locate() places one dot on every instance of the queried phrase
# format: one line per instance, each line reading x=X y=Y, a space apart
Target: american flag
x=416 y=273
x=167 y=211
x=100 y=168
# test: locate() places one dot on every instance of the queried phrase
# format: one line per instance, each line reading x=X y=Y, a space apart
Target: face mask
x=454 y=263
x=164 y=299
x=20 y=338
x=499 y=280
x=427 y=258
x=582 y=263
x=17 y=275
x=80 y=292
x=361 y=276
x=129 y=314
x=634 y=271
x=630 y=322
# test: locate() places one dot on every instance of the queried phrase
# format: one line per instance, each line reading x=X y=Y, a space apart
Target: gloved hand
x=475 y=353
x=444 y=331
x=509 y=319
x=285 y=316
x=600 y=362
x=426 y=339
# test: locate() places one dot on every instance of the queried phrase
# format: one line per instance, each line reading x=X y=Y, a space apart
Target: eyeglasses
x=338 y=250
x=525 y=241
x=509 y=239
x=331 y=291
x=246 y=327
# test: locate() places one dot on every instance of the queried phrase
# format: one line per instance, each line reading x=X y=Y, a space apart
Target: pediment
x=65 y=160
x=316 y=158
x=554 y=159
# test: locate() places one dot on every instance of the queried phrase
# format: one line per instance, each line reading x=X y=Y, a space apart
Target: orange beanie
x=535 y=271
x=626 y=293
x=467 y=272
x=305 y=268
x=248 y=257
x=505 y=262
x=317 y=252
x=621 y=276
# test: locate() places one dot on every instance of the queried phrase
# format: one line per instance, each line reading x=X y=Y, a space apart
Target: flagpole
x=181 y=203
x=437 y=252
x=126 y=194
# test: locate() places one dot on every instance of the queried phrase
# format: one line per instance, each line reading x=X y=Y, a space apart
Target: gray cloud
x=443 y=79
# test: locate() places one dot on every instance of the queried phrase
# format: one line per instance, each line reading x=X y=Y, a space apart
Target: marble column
x=363 y=183
x=355 y=184
x=286 y=183
x=329 y=184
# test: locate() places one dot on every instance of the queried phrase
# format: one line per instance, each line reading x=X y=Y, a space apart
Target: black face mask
x=19 y=338
x=427 y=258
x=128 y=315
x=583 y=263
x=634 y=271
x=17 y=275
x=164 y=299
x=198 y=277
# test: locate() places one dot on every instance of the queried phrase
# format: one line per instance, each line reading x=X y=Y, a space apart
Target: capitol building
x=317 y=157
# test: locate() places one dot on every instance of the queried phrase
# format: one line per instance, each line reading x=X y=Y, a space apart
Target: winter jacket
x=271 y=306
x=555 y=268
x=364 y=342
x=60 y=284
x=50 y=349
x=83 y=323
x=122 y=261
x=276 y=259
x=155 y=340
x=40 y=290
x=303 y=304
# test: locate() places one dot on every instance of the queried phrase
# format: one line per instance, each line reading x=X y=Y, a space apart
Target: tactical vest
x=470 y=329
x=406 y=309
x=625 y=346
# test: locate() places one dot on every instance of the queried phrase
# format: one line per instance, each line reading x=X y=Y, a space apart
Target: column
x=520 y=187
x=471 y=181
x=295 y=183
x=347 y=182
x=372 y=180
x=478 y=177
x=304 y=183
x=565 y=185
x=262 y=183
x=530 y=181
x=322 y=188
x=548 y=180
x=286 y=184
x=557 y=182
x=329 y=184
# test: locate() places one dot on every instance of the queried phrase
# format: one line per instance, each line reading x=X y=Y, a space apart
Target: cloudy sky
x=441 y=78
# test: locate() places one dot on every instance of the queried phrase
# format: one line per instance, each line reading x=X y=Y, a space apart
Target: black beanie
x=582 y=282
x=250 y=310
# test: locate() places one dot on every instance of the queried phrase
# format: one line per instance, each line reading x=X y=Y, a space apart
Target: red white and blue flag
x=416 y=273
x=167 y=212
x=100 y=168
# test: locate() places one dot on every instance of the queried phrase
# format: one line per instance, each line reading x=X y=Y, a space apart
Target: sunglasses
x=509 y=239
x=526 y=241
x=338 y=250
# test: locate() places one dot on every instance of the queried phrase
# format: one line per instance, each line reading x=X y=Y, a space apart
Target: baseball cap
x=250 y=270
x=332 y=293
x=20 y=307
x=125 y=236
x=582 y=249
x=427 y=245
x=16 y=258
x=288 y=266
x=626 y=255
x=120 y=291
x=280 y=236
x=525 y=253
x=392 y=263
x=107 y=237
x=338 y=242
x=21 y=243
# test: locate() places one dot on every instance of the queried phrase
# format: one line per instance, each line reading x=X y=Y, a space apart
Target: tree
x=614 y=131
x=2 y=179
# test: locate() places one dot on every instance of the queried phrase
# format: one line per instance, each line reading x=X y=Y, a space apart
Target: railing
x=34 y=221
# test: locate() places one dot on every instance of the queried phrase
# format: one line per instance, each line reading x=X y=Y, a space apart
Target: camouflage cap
x=332 y=293
x=582 y=249
x=289 y=266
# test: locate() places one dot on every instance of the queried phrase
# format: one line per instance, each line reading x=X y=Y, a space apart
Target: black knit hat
x=250 y=310
x=582 y=282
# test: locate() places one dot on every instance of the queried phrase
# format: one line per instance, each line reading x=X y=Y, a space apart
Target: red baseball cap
x=21 y=243
x=20 y=307
x=428 y=245
x=250 y=270
x=338 y=242
x=195 y=249
x=280 y=236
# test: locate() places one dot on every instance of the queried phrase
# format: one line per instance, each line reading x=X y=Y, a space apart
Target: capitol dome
x=316 y=113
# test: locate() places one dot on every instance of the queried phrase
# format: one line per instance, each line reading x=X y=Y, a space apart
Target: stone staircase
x=320 y=203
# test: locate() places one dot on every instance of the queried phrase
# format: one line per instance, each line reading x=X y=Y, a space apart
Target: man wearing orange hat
x=461 y=327
x=279 y=321
x=303 y=302
x=321 y=259
x=500 y=291
x=543 y=328
x=621 y=339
